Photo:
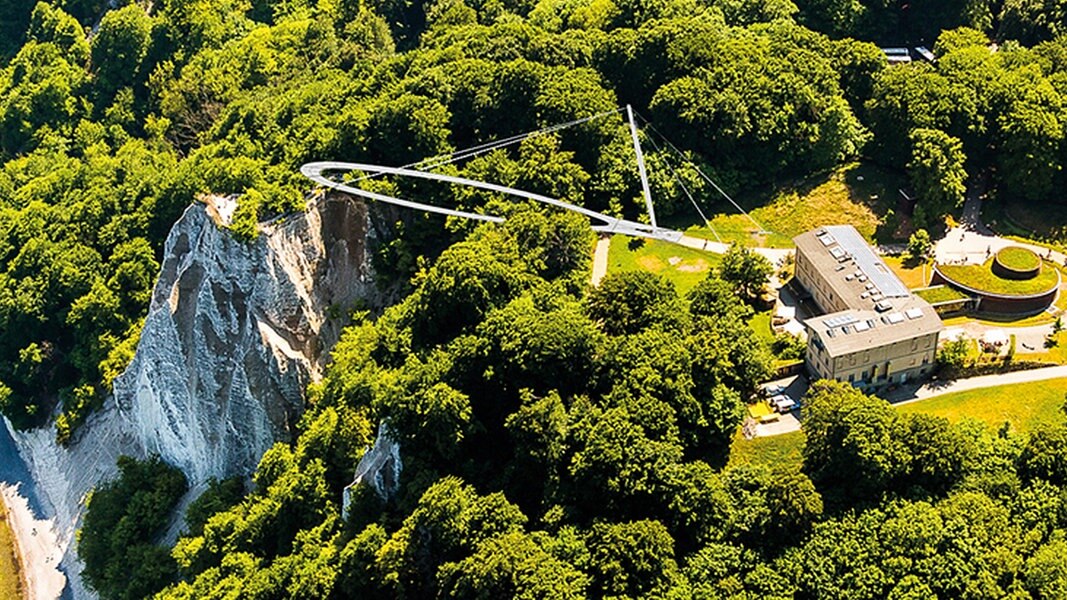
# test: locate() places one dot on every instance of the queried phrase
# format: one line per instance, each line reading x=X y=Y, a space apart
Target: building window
x=926 y=359
x=851 y=377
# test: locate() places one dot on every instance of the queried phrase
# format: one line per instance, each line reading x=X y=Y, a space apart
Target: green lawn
x=913 y=276
x=981 y=277
x=1022 y=404
x=940 y=293
x=10 y=581
x=683 y=266
x=761 y=324
x=857 y=194
x=776 y=450
x=1018 y=258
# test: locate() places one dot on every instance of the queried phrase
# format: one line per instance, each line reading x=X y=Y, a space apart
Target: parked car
x=774 y=390
x=783 y=403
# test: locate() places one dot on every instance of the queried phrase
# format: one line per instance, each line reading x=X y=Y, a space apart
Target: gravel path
x=600 y=260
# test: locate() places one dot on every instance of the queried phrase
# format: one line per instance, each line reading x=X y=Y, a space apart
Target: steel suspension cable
x=685 y=189
x=443 y=159
x=704 y=175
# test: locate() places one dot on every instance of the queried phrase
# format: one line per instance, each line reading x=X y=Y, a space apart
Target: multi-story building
x=874 y=331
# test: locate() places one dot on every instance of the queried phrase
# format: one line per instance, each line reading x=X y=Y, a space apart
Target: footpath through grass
x=858 y=194
x=1024 y=405
x=685 y=267
x=10 y=577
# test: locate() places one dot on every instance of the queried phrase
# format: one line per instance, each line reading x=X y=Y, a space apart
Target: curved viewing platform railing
x=317 y=171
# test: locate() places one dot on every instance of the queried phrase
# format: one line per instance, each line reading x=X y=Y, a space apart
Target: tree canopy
x=558 y=440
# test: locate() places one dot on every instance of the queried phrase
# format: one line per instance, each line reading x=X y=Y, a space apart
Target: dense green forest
x=106 y=138
x=557 y=440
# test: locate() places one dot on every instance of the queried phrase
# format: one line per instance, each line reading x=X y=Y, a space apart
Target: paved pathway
x=964 y=246
x=930 y=390
x=972 y=242
x=1027 y=339
x=600 y=259
x=772 y=254
x=939 y=388
x=971 y=217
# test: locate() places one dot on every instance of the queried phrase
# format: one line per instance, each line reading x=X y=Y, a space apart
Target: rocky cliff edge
x=234 y=333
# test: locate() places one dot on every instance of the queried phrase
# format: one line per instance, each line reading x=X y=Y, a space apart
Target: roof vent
x=914 y=313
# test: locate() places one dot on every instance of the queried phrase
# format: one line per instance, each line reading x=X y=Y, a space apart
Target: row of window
x=865 y=376
x=927 y=342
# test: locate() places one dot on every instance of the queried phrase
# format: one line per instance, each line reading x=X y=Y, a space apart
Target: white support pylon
x=641 y=168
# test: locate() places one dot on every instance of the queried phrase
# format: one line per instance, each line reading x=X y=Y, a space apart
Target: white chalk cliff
x=234 y=333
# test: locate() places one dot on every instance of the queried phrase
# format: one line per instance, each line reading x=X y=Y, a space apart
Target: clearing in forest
x=858 y=194
x=685 y=267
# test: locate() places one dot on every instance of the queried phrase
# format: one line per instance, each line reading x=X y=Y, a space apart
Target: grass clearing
x=981 y=277
x=685 y=267
x=1024 y=405
x=776 y=450
x=913 y=277
x=858 y=194
x=761 y=324
x=10 y=576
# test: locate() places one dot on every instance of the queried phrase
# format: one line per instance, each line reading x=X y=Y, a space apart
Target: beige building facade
x=873 y=331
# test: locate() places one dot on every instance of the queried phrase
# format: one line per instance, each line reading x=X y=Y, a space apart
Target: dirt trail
x=600 y=260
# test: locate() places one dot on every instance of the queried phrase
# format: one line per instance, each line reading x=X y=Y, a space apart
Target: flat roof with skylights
x=880 y=309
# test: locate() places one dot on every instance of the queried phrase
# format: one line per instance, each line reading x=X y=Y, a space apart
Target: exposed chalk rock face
x=236 y=331
x=379 y=469
x=234 y=334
